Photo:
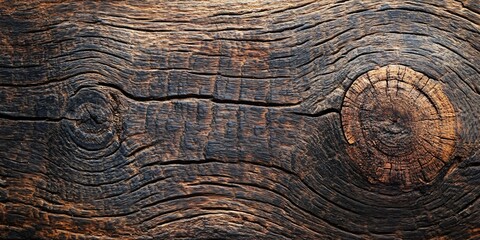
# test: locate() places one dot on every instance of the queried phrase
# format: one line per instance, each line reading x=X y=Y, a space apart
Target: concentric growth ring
x=91 y=120
x=399 y=124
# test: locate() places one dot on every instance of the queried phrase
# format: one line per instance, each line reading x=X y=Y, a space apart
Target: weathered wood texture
x=224 y=119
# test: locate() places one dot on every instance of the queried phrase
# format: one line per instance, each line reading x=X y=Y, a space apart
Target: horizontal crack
x=201 y=97
x=7 y=116
x=318 y=114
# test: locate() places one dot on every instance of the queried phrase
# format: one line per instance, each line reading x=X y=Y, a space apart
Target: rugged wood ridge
x=222 y=119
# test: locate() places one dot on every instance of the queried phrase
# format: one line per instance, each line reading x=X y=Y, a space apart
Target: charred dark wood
x=239 y=119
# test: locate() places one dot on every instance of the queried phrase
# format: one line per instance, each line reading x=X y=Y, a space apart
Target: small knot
x=91 y=119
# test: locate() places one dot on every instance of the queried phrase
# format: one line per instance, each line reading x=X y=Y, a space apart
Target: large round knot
x=92 y=119
x=399 y=124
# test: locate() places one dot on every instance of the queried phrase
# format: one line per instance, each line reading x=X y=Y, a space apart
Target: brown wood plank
x=237 y=119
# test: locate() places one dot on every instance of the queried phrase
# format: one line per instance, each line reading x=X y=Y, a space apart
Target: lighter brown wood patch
x=399 y=124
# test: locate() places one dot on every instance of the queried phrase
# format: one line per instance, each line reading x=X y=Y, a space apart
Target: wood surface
x=240 y=119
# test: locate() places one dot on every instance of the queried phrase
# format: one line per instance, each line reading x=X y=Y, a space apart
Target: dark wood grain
x=231 y=119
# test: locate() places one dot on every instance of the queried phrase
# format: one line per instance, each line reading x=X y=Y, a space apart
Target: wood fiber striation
x=239 y=119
